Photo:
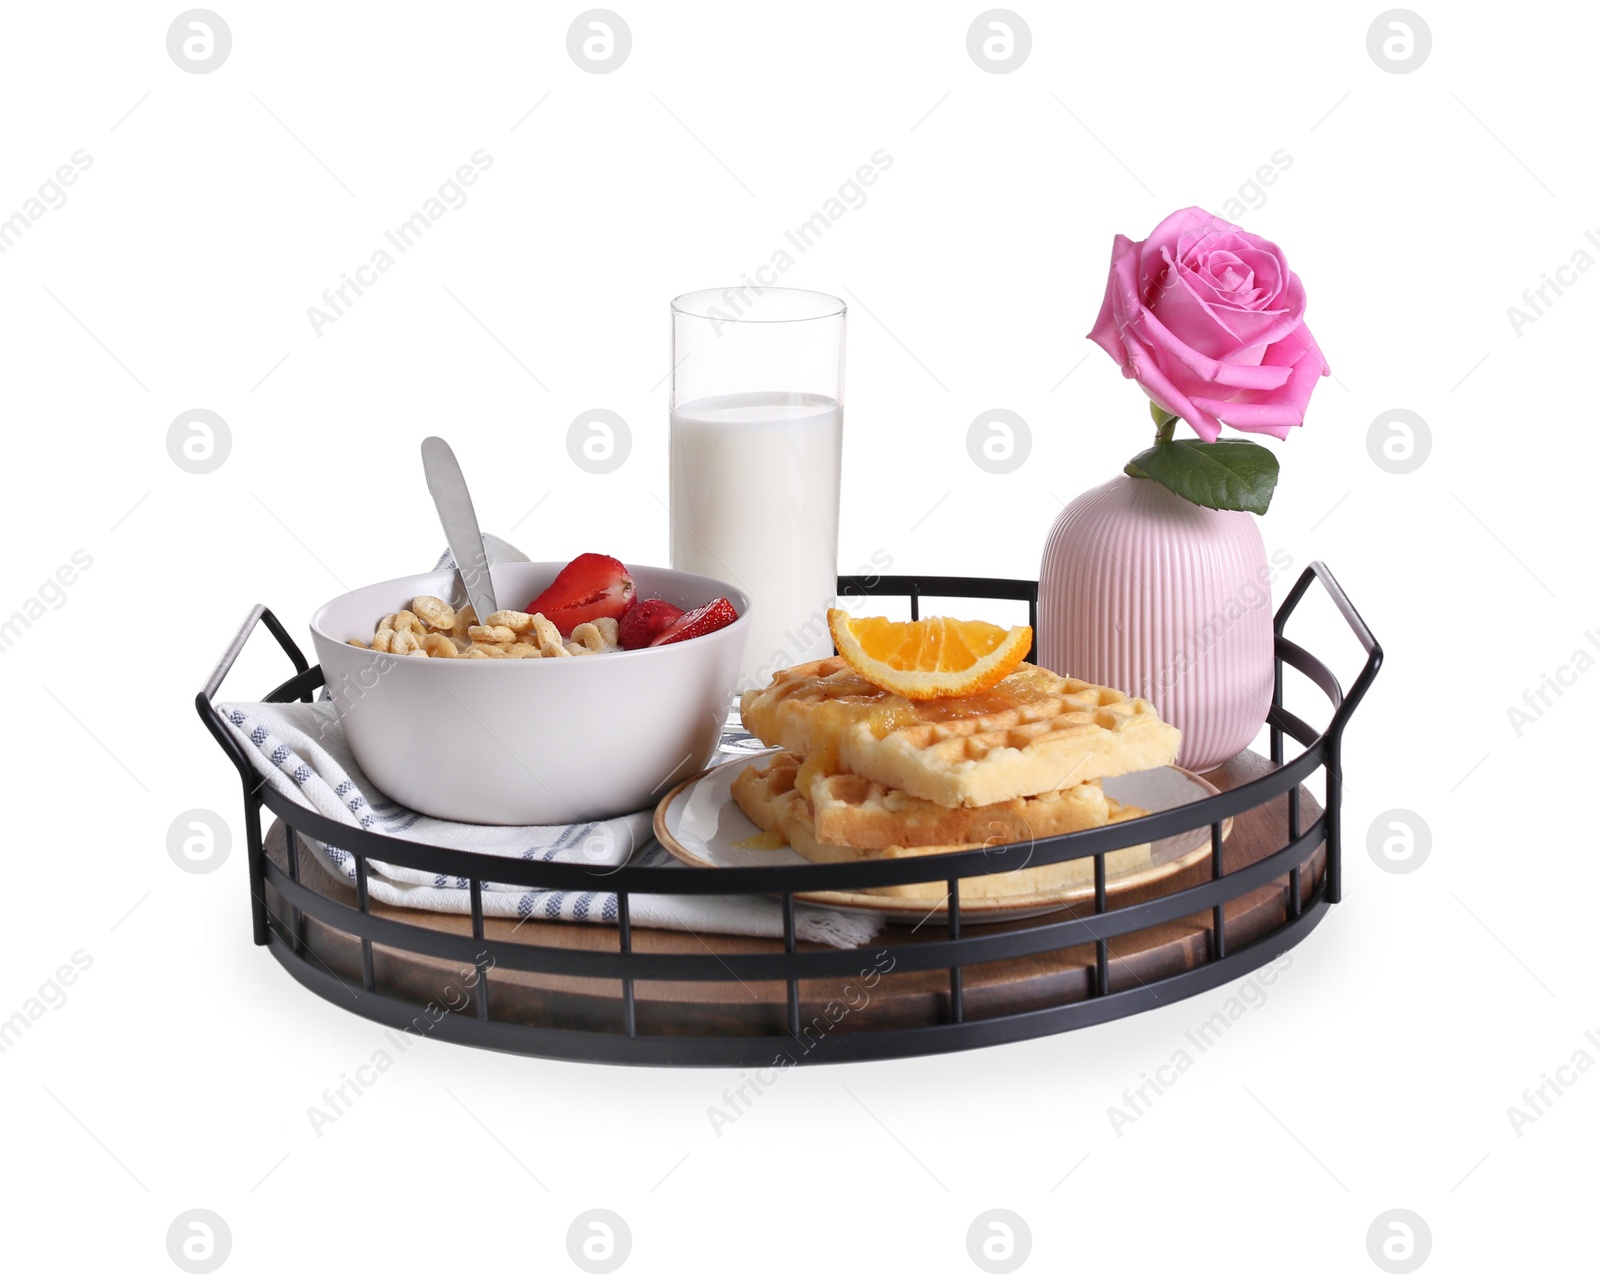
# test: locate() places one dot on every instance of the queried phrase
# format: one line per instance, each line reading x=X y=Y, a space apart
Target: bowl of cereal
x=592 y=705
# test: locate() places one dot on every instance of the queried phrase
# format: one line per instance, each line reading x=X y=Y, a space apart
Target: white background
x=217 y=209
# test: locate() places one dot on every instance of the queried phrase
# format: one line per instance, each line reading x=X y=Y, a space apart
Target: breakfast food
x=645 y=621
x=715 y=614
x=770 y=794
x=657 y=623
x=1030 y=733
x=867 y=770
x=857 y=812
x=932 y=658
x=591 y=586
x=589 y=609
x=432 y=628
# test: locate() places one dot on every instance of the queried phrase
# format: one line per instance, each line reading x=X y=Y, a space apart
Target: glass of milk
x=757 y=428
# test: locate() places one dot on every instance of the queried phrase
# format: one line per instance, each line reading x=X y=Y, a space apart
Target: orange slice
x=931 y=659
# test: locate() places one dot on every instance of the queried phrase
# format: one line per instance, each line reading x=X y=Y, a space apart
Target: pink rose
x=1211 y=322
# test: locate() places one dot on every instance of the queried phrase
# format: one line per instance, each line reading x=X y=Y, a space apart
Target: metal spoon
x=454 y=502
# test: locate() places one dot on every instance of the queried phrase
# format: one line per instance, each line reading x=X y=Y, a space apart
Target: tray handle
x=1320 y=573
x=303 y=684
x=1333 y=737
x=204 y=702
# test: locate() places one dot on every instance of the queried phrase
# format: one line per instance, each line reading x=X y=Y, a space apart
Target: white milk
x=755 y=500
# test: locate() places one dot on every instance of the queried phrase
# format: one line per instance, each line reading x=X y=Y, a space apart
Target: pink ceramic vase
x=1143 y=591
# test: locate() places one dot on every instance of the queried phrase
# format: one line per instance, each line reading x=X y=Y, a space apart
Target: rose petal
x=1276 y=412
x=1178 y=233
x=1220 y=330
x=1183 y=308
x=1227 y=276
x=1207 y=369
x=1121 y=301
x=1268 y=270
x=1264 y=326
x=1161 y=390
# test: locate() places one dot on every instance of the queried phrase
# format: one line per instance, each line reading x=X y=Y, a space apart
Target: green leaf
x=1237 y=476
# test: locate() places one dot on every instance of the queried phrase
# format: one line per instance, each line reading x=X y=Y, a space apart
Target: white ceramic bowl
x=530 y=742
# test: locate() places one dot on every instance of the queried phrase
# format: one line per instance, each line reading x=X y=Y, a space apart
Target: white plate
x=699 y=823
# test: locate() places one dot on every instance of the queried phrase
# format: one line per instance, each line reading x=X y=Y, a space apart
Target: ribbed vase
x=1143 y=591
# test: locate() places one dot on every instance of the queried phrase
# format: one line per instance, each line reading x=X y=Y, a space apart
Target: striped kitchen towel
x=301 y=750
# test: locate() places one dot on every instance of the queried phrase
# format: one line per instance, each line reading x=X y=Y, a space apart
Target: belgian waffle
x=856 y=812
x=766 y=793
x=1033 y=733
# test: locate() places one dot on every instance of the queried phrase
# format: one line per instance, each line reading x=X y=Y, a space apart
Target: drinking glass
x=757 y=432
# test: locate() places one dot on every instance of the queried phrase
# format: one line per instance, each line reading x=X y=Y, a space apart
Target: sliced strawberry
x=590 y=587
x=645 y=621
x=698 y=622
